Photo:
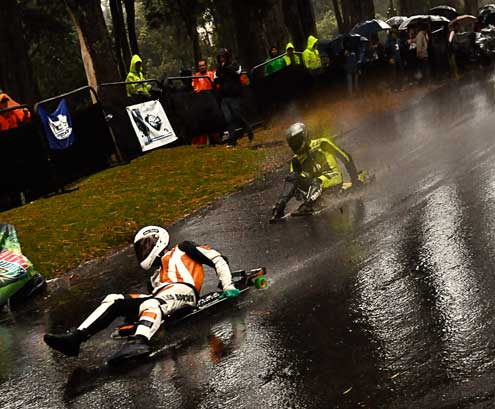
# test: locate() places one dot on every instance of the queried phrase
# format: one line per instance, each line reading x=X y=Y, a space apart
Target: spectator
x=228 y=79
x=411 y=60
x=452 y=58
x=136 y=74
x=422 y=41
x=275 y=64
x=351 y=67
x=393 y=49
x=311 y=55
x=291 y=58
x=12 y=119
x=203 y=84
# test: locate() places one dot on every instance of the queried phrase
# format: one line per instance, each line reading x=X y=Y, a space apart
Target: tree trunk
x=96 y=48
x=271 y=22
x=130 y=10
x=307 y=17
x=412 y=7
x=338 y=16
x=294 y=24
x=121 y=45
x=346 y=15
x=16 y=75
x=359 y=11
x=471 y=7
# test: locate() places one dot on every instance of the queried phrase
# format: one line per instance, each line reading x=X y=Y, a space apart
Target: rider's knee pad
x=151 y=304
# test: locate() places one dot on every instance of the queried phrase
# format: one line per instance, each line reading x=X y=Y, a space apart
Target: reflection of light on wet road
x=238 y=363
x=454 y=280
x=387 y=301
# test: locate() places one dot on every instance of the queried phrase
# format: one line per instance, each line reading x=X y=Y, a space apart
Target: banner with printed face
x=58 y=126
x=151 y=125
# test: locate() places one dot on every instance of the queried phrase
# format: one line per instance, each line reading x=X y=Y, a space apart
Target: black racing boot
x=278 y=212
x=135 y=347
x=306 y=209
x=68 y=343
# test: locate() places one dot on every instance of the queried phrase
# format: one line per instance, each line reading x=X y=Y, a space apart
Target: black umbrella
x=411 y=21
x=487 y=14
x=370 y=27
x=353 y=42
x=488 y=9
x=396 y=21
x=444 y=11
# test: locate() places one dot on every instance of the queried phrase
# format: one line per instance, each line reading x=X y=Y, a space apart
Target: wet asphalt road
x=386 y=300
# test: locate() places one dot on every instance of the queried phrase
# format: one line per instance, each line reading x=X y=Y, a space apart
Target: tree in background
x=123 y=27
x=247 y=27
x=16 y=75
x=471 y=7
x=120 y=40
x=96 y=47
x=269 y=22
x=350 y=12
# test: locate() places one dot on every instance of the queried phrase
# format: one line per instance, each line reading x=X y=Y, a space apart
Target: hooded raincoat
x=135 y=75
x=311 y=55
x=287 y=58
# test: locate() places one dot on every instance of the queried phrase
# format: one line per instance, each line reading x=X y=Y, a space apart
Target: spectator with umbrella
x=393 y=49
x=422 y=42
x=370 y=27
x=396 y=21
x=448 y=12
x=486 y=15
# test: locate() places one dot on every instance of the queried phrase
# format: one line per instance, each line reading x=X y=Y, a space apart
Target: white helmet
x=149 y=242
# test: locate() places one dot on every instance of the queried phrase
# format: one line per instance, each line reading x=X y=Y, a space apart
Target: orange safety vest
x=12 y=119
x=203 y=84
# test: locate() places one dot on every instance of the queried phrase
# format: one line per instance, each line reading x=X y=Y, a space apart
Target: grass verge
x=61 y=232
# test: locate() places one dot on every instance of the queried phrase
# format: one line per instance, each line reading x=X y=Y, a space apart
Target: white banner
x=151 y=125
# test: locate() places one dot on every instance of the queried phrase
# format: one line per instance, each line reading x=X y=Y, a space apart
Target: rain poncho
x=12 y=119
x=135 y=75
x=311 y=55
x=274 y=66
x=287 y=58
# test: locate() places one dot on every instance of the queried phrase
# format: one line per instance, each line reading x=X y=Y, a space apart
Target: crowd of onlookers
x=426 y=49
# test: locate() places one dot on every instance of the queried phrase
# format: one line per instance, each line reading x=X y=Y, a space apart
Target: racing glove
x=314 y=191
x=230 y=293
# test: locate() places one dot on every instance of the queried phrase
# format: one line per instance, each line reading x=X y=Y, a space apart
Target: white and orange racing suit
x=175 y=284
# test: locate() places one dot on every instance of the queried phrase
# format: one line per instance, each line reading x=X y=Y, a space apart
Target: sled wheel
x=260 y=282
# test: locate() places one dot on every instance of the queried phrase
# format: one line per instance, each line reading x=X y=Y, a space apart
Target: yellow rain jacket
x=287 y=59
x=321 y=162
x=311 y=55
x=135 y=75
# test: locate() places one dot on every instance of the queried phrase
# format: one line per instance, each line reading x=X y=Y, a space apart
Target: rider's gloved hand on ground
x=231 y=293
x=315 y=190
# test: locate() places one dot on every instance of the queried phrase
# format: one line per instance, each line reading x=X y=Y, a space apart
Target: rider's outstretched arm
x=211 y=258
x=344 y=157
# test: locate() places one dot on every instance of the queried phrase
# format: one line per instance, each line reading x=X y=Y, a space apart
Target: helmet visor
x=296 y=141
x=144 y=247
